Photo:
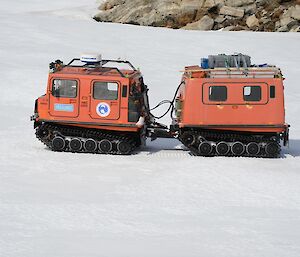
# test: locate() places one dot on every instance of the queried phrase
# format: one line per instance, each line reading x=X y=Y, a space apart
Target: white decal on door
x=103 y=109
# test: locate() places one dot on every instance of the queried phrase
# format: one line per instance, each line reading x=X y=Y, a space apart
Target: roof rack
x=250 y=72
x=101 y=64
x=57 y=65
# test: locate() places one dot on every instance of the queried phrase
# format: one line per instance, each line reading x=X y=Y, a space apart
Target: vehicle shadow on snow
x=174 y=145
x=293 y=149
x=164 y=144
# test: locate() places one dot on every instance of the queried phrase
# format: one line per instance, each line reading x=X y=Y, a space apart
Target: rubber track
x=83 y=133
x=228 y=137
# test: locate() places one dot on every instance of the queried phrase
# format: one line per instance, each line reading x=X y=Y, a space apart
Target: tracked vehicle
x=93 y=106
x=229 y=107
x=226 y=107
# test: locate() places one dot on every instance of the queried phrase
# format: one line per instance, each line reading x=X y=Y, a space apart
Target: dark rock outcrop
x=230 y=15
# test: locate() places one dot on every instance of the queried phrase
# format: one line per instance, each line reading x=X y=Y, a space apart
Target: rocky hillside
x=229 y=15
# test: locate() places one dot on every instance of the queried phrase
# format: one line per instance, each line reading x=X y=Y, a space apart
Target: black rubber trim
x=90 y=123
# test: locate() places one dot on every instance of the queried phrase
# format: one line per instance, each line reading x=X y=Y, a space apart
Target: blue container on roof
x=204 y=63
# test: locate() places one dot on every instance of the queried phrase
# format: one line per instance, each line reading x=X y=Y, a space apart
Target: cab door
x=64 y=97
x=105 y=100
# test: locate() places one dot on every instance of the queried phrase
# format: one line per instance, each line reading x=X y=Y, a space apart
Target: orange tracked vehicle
x=226 y=107
x=236 y=109
x=93 y=106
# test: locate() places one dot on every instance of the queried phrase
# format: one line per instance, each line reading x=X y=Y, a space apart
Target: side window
x=124 y=91
x=272 y=92
x=64 y=88
x=218 y=93
x=105 y=90
x=252 y=93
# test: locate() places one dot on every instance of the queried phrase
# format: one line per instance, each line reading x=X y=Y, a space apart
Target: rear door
x=105 y=100
x=64 y=97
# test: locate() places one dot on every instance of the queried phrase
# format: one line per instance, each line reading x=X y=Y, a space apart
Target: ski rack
x=101 y=64
x=251 y=72
x=245 y=73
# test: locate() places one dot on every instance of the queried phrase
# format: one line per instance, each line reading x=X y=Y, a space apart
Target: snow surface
x=161 y=202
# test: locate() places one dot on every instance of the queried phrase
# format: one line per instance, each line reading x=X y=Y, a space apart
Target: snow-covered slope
x=160 y=202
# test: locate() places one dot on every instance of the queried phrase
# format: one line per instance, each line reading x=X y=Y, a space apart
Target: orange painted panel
x=198 y=110
x=84 y=109
x=235 y=93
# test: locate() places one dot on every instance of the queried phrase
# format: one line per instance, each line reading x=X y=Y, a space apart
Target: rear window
x=64 y=88
x=252 y=93
x=105 y=90
x=218 y=93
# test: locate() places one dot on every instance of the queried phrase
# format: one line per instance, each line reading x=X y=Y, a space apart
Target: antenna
x=91 y=59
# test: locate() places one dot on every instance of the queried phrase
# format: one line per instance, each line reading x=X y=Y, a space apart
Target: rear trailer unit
x=231 y=108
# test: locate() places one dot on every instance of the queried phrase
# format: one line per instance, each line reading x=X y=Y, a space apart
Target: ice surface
x=161 y=202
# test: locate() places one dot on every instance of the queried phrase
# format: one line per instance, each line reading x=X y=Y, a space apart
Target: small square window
x=64 y=88
x=252 y=93
x=218 y=93
x=105 y=91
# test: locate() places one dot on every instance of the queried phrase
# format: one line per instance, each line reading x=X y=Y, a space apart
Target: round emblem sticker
x=103 y=109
